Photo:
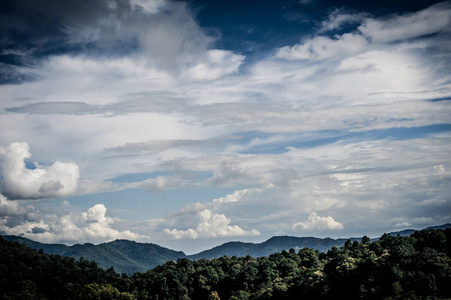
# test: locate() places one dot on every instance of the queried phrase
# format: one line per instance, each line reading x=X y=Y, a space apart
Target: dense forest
x=393 y=267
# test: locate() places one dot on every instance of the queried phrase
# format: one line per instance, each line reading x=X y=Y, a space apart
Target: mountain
x=441 y=227
x=279 y=243
x=125 y=256
x=360 y=270
x=131 y=257
x=408 y=232
x=273 y=245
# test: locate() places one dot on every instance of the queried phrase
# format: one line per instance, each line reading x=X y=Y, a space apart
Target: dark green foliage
x=393 y=267
x=26 y=273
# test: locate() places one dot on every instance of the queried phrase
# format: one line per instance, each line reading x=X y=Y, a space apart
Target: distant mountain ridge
x=125 y=256
x=279 y=243
x=273 y=245
x=131 y=257
x=408 y=232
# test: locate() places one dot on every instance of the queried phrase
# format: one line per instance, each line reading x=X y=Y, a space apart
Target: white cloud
x=215 y=64
x=96 y=214
x=211 y=225
x=338 y=18
x=235 y=196
x=325 y=71
x=19 y=182
x=10 y=208
x=160 y=183
x=93 y=226
x=150 y=6
x=434 y=19
x=255 y=169
x=315 y=222
x=165 y=32
x=403 y=224
x=321 y=47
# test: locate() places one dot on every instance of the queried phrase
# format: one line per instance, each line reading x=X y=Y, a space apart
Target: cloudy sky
x=189 y=124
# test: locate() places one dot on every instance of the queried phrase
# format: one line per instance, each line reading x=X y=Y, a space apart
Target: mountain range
x=123 y=255
x=131 y=257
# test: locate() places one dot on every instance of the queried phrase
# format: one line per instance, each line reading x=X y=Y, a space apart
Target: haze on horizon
x=189 y=124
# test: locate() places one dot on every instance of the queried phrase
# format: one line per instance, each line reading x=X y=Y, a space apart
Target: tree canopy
x=393 y=267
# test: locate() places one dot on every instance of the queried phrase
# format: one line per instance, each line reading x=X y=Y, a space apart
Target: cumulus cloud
x=235 y=196
x=403 y=224
x=11 y=208
x=315 y=222
x=19 y=182
x=93 y=225
x=211 y=225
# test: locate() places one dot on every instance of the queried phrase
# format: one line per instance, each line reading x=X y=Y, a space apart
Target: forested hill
x=279 y=243
x=131 y=257
x=393 y=267
x=125 y=256
x=273 y=245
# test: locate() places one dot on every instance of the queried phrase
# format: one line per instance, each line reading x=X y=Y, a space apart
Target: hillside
x=26 y=273
x=130 y=257
x=125 y=256
x=393 y=267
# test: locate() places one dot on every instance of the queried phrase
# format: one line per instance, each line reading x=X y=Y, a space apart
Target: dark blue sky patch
x=258 y=26
x=440 y=99
x=30 y=165
x=255 y=26
x=405 y=133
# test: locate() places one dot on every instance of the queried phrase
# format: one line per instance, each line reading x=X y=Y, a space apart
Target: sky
x=190 y=124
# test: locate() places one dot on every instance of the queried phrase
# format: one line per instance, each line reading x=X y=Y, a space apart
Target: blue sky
x=189 y=124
